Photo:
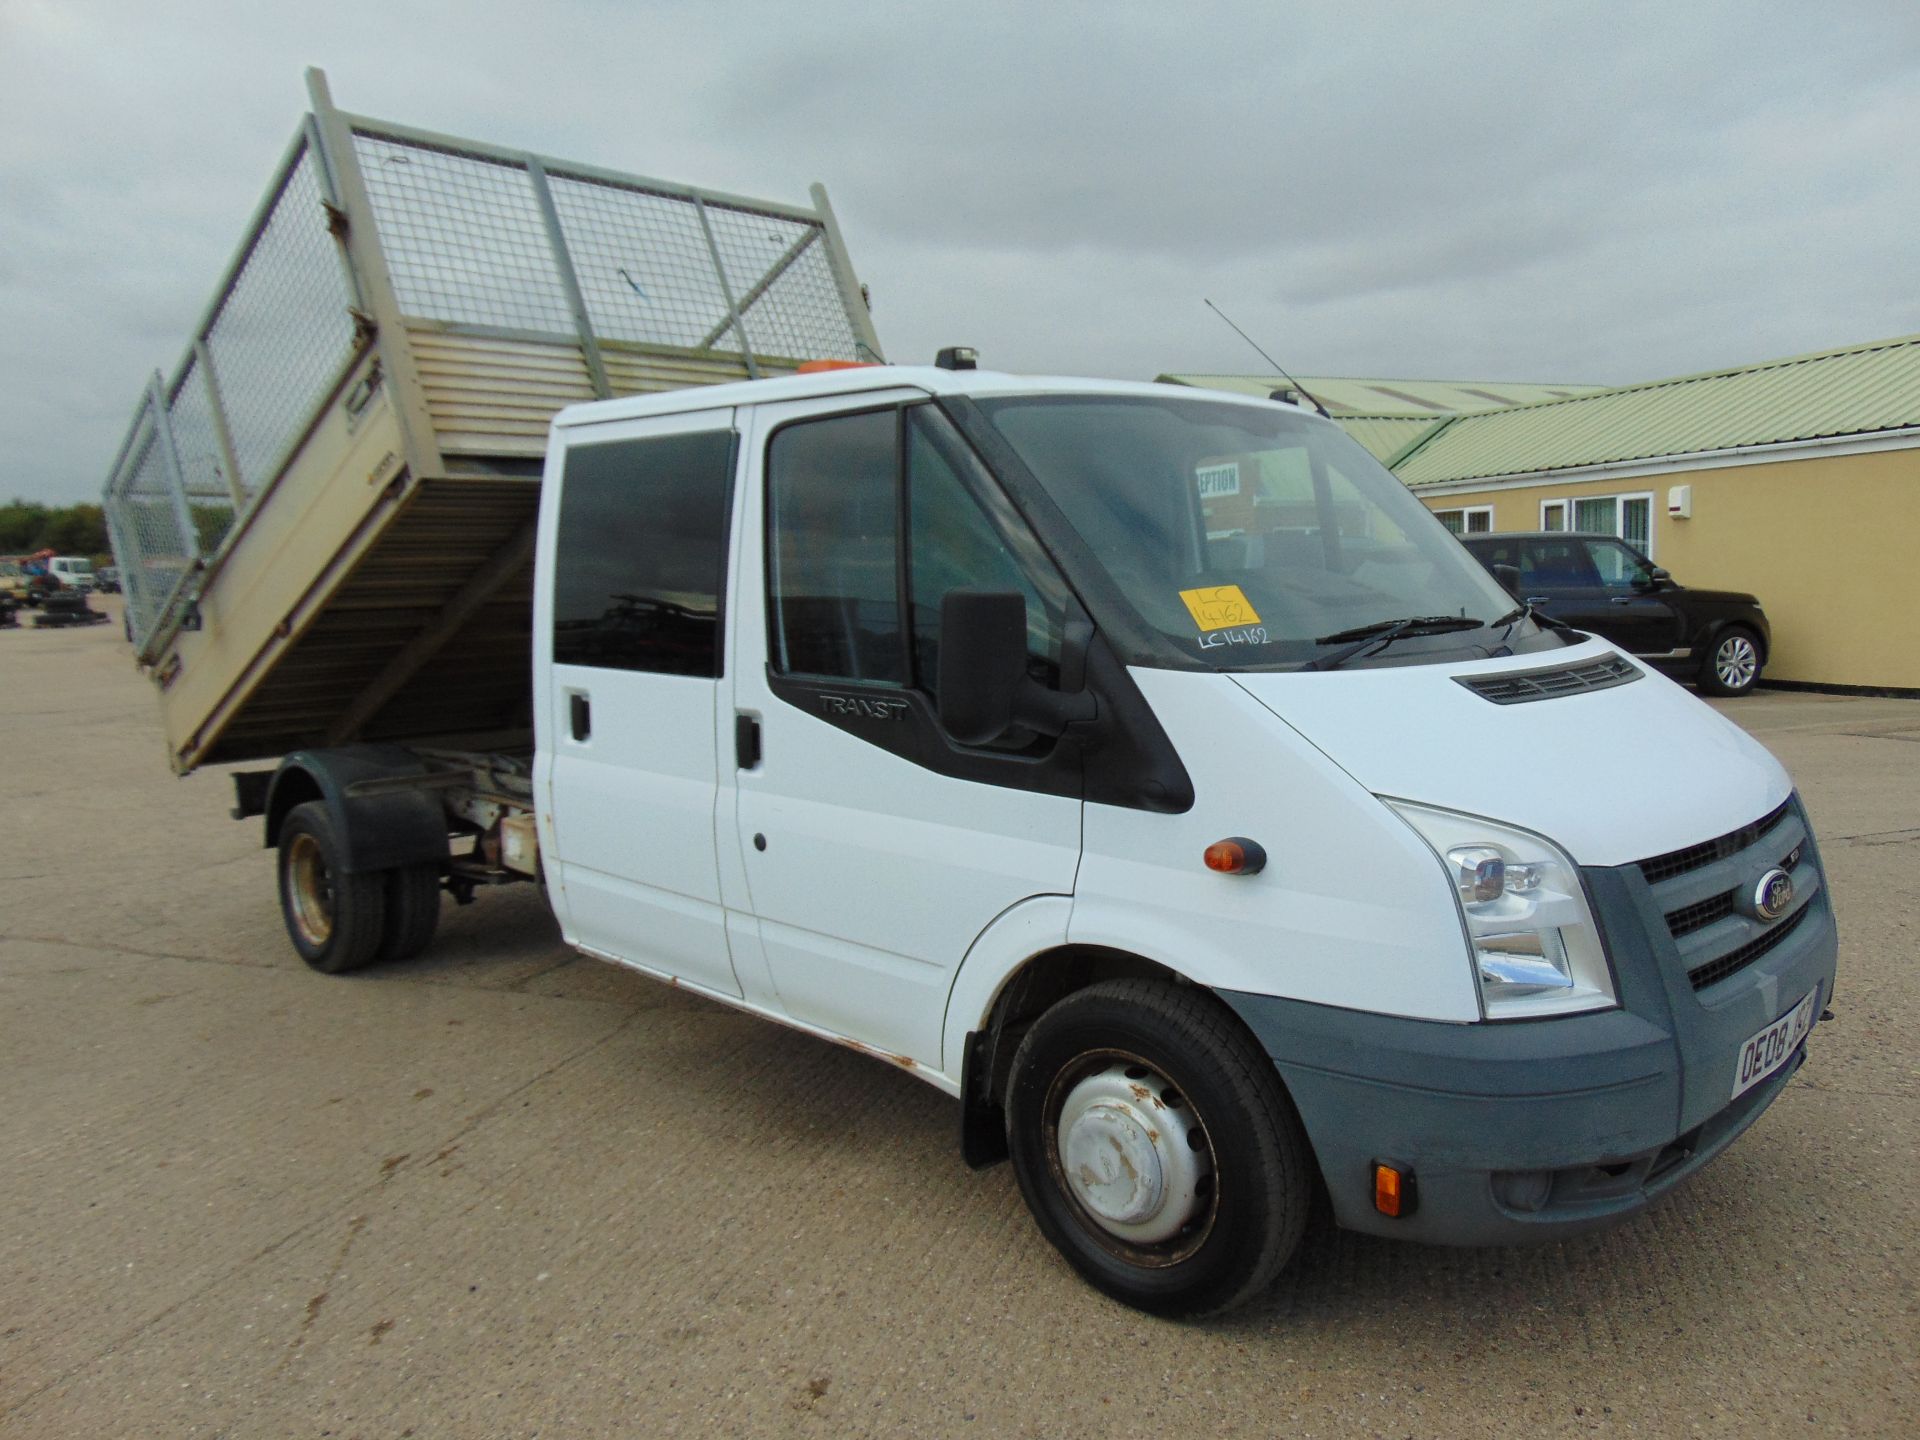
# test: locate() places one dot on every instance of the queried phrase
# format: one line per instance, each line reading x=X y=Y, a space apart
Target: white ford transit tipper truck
x=1146 y=768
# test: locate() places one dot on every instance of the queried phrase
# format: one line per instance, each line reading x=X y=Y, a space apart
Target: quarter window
x=640 y=556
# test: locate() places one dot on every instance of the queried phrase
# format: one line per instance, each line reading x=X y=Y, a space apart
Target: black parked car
x=1716 y=638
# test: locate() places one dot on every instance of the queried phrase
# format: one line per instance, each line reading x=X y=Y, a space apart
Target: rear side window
x=641 y=554
x=1561 y=563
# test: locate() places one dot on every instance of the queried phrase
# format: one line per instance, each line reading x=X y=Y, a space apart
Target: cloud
x=1584 y=192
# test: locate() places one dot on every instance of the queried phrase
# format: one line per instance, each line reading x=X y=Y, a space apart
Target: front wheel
x=1733 y=665
x=1157 y=1148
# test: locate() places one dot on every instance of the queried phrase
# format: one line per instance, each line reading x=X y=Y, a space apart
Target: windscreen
x=1249 y=536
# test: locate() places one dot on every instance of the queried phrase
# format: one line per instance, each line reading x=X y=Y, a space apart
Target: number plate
x=1768 y=1051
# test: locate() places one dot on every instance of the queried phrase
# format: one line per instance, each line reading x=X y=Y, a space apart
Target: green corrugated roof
x=1852 y=391
x=1386 y=436
x=1344 y=395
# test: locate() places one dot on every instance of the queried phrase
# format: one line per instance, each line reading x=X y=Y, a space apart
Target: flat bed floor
x=501 y=1190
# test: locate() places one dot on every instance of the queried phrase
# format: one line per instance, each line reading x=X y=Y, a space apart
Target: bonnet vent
x=1517 y=687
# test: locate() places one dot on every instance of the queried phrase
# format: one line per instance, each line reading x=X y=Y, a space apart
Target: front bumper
x=1520 y=1132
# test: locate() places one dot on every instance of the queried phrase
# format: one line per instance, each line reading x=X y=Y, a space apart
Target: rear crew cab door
x=875 y=848
x=628 y=650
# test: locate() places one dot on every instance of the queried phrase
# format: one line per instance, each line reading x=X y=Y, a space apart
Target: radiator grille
x=1679 y=862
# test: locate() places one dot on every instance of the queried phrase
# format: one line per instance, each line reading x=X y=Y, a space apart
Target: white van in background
x=73 y=571
x=1149 y=770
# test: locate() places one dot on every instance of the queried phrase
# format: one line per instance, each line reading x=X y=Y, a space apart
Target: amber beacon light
x=1236 y=855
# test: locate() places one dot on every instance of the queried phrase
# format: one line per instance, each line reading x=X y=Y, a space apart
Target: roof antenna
x=1266 y=357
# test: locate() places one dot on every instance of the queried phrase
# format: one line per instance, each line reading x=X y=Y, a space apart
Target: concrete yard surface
x=504 y=1190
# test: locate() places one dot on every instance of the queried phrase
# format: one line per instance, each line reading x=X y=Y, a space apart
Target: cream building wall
x=1830 y=544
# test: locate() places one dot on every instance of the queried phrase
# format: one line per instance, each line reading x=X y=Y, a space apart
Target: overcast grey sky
x=1539 y=191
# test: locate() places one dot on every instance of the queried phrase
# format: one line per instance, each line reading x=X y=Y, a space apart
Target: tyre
x=335 y=920
x=413 y=911
x=1732 y=667
x=1157 y=1148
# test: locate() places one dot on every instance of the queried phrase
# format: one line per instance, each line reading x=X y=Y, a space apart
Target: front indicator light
x=1393 y=1194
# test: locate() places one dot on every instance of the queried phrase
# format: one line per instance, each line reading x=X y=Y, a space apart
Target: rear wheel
x=1733 y=665
x=1157 y=1148
x=413 y=910
x=335 y=919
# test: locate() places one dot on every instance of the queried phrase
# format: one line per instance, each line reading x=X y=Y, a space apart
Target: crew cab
x=1152 y=773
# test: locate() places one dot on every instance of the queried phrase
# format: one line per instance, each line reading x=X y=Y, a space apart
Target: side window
x=641 y=553
x=1619 y=567
x=1557 y=564
x=952 y=545
x=867 y=511
x=834 y=507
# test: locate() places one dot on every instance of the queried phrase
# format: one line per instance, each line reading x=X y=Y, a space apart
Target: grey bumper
x=1522 y=1132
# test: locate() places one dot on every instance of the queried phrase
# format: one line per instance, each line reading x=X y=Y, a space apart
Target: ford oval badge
x=1772 y=895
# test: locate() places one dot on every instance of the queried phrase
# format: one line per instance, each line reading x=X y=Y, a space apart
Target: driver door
x=876 y=848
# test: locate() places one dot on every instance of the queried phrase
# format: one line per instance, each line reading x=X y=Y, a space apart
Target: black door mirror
x=1509 y=578
x=983 y=662
x=984 y=687
x=1653 y=578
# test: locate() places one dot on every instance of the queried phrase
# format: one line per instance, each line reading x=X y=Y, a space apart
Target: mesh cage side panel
x=797 y=314
x=197 y=444
x=144 y=525
x=644 y=268
x=283 y=333
x=463 y=237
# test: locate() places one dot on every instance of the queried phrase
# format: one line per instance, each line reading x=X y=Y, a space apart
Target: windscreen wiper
x=1382 y=633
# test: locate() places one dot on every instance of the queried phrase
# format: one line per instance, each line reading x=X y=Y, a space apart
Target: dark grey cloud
x=1585 y=192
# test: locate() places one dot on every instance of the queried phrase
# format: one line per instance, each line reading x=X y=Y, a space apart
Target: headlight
x=1536 y=949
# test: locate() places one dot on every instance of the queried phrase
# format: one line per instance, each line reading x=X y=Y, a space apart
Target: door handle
x=1622 y=600
x=580 y=715
x=746 y=742
x=1538 y=599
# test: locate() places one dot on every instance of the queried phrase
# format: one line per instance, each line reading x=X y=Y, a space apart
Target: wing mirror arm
x=984 y=686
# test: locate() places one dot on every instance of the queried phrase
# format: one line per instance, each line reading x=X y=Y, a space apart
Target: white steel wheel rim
x=310 y=889
x=1735 y=662
x=1134 y=1157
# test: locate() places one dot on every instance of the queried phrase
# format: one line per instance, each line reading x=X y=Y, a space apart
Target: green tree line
x=28 y=525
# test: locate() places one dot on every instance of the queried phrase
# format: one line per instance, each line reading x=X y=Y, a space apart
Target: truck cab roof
x=861 y=379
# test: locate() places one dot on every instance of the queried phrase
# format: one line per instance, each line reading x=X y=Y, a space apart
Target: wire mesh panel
x=153 y=557
x=783 y=281
x=463 y=237
x=645 y=271
x=284 y=330
x=197 y=444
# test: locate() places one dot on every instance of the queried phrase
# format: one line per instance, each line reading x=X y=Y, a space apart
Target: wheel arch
x=379 y=831
x=997 y=996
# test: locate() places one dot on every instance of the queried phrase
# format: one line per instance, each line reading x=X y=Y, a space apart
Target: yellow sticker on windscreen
x=1220 y=607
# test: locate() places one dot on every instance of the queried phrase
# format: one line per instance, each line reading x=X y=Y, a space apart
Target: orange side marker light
x=1235 y=855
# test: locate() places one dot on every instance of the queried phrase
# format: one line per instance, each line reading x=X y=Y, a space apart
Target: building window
x=1471 y=520
x=1627 y=517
